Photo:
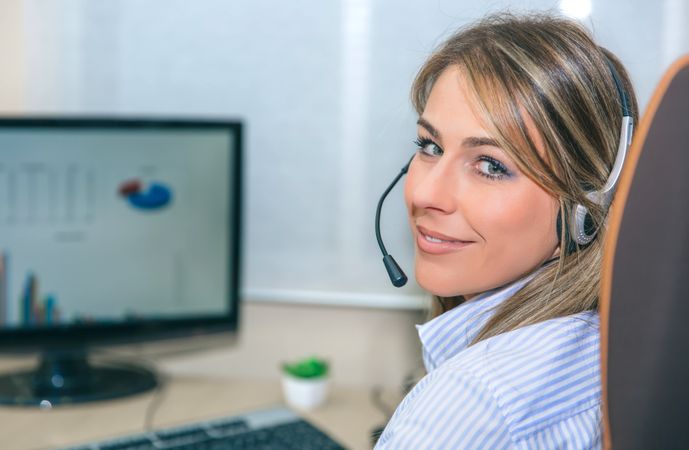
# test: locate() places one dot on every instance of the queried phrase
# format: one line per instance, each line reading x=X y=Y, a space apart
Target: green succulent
x=307 y=368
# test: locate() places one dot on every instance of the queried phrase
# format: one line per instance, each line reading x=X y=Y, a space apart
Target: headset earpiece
x=581 y=228
x=571 y=244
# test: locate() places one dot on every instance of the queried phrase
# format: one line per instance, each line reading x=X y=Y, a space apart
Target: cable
x=376 y=399
x=156 y=401
x=162 y=380
x=408 y=383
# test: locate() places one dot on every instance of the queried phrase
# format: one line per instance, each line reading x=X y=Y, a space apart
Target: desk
x=348 y=416
x=231 y=379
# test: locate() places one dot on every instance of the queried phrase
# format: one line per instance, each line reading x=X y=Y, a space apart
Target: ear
x=556 y=252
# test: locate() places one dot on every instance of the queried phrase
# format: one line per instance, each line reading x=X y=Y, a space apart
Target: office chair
x=644 y=303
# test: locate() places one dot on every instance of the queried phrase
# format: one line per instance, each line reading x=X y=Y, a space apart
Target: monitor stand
x=67 y=376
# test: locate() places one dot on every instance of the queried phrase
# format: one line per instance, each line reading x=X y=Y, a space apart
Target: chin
x=441 y=284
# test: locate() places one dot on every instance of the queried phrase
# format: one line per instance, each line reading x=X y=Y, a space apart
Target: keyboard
x=269 y=429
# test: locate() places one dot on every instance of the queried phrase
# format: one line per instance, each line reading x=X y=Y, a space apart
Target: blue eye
x=491 y=168
x=428 y=147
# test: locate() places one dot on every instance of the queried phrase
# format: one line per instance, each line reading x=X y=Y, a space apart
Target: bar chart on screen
x=40 y=193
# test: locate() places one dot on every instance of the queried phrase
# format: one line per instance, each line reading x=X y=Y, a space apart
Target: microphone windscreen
x=397 y=277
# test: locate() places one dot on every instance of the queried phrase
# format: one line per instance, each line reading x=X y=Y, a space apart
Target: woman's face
x=478 y=222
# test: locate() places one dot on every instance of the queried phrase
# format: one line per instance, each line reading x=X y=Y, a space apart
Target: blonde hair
x=547 y=70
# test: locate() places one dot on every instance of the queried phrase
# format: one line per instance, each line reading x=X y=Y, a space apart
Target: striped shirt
x=536 y=387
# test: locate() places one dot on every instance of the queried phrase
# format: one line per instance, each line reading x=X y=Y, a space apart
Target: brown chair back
x=644 y=302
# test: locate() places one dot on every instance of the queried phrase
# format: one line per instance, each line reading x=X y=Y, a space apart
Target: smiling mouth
x=432 y=239
x=437 y=243
x=432 y=236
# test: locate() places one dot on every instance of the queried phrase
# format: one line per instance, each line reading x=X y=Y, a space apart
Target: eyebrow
x=427 y=125
x=472 y=141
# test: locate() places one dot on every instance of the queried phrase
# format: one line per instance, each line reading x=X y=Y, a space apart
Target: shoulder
x=448 y=409
x=542 y=374
x=512 y=357
x=535 y=385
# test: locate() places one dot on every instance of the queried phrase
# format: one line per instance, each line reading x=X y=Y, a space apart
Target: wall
x=12 y=58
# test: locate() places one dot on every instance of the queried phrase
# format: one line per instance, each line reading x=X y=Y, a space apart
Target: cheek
x=520 y=221
x=516 y=214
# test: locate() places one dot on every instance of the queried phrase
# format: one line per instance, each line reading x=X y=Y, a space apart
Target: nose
x=432 y=186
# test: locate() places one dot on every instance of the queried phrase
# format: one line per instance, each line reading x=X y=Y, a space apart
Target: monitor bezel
x=90 y=335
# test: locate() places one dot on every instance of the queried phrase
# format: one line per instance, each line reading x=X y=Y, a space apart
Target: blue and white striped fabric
x=537 y=387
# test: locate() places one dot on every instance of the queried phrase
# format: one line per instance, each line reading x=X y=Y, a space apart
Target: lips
x=433 y=242
x=434 y=234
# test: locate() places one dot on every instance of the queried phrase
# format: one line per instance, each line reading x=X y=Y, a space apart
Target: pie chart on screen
x=146 y=196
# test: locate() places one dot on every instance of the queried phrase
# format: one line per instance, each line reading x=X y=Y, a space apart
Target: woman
x=519 y=121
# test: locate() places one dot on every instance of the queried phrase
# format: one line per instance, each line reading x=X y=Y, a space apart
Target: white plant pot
x=305 y=393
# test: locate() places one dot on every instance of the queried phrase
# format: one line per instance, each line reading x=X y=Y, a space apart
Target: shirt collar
x=451 y=332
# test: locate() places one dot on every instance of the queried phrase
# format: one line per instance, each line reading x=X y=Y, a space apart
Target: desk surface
x=348 y=416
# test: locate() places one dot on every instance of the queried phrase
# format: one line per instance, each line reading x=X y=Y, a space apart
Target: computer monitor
x=113 y=231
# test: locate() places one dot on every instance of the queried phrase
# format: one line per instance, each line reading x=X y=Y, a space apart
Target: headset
x=580 y=228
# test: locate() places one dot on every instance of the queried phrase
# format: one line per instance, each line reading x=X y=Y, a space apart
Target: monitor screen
x=117 y=230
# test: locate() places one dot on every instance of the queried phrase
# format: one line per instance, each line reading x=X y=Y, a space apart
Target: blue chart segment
x=157 y=196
